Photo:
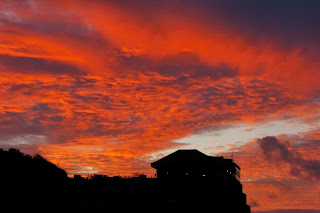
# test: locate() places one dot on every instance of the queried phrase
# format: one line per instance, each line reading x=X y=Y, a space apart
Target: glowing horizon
x=110 y=86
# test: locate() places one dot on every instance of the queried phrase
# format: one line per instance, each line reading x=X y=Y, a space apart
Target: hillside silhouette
x=31 y=183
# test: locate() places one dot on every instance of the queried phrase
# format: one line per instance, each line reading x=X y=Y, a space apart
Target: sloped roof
x=180 y=157
x=189 y=157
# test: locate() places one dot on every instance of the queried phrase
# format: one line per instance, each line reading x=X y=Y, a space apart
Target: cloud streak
x=275 y=171
x=278 y=152
x=104 y=86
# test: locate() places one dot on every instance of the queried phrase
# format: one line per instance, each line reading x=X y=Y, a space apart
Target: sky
x=109 y=86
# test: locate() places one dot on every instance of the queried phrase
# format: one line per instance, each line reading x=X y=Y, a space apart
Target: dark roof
x=189 y=157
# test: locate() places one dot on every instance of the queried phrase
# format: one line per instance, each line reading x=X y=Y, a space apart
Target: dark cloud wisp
x=274 y=150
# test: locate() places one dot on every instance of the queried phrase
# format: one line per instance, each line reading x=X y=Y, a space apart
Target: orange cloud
x=102 y=86
x=268 y=175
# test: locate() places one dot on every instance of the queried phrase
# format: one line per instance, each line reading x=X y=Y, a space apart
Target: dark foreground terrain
x=33 y=184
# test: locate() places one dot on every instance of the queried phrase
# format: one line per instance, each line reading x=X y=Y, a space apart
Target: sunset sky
x=109 y=86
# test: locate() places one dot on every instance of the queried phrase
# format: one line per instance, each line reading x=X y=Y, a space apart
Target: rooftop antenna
x=232 y=155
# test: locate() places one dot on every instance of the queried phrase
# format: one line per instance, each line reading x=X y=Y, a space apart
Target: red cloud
x=104 y=85
x=267 y=171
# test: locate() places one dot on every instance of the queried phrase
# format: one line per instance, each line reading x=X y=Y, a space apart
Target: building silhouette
x=199 y=181
x=187 y=181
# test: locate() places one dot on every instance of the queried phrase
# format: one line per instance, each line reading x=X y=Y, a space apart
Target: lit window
x=203 y=175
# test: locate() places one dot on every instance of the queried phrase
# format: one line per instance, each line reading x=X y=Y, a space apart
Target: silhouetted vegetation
x=31 y=183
